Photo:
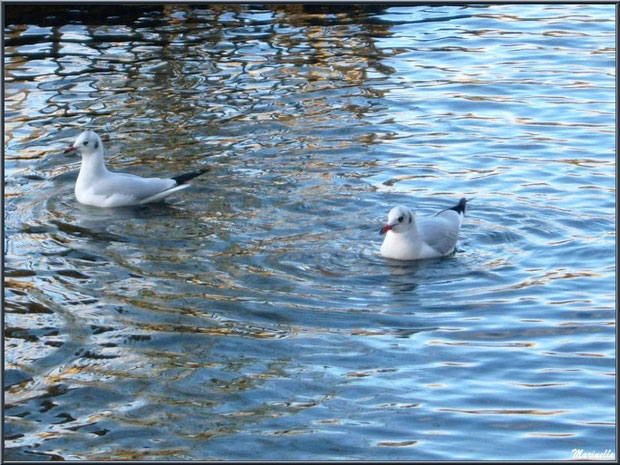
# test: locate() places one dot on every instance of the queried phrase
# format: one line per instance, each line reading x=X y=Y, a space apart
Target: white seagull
x=97 y=186
x=411 y=239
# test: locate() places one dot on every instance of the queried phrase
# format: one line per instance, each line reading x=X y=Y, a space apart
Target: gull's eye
x=400 y=219
x=85 y=142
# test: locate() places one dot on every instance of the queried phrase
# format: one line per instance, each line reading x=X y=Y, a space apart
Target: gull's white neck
x=404 y=245
x=93 y=167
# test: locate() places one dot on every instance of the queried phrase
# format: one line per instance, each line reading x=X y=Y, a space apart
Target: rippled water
x=251 y=317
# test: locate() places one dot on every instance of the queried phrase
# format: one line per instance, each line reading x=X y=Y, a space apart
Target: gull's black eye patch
x=85 y=142
x=400 y=219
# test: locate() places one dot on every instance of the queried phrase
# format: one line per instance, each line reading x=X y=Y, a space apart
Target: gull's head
x=400 y=219
x=87 y=144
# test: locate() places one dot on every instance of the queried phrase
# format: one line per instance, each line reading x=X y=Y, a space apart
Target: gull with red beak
x=99 y=187
x=435 y=236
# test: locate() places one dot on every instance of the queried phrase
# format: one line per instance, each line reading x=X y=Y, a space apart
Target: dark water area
x=251 y=316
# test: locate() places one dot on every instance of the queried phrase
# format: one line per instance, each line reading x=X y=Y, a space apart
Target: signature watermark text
x=580 y=454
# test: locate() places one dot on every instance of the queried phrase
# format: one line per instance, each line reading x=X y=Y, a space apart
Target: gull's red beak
x=385 y=229
x=69 y=150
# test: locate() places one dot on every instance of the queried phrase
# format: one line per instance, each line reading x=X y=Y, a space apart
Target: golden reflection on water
x=505 y=411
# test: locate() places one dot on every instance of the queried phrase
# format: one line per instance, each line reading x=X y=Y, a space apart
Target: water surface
x=251 y=317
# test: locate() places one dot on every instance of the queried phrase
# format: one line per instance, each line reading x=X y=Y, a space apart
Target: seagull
x=409 y=239
x=99 y=187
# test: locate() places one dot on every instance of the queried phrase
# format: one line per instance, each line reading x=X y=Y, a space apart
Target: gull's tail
x=460 y=207
x=183 y=178
x=180 y=180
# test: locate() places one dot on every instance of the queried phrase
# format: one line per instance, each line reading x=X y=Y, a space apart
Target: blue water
x=251 y=317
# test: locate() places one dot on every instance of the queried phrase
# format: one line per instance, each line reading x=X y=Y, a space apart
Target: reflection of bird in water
x=97 y=186
x=410 y=239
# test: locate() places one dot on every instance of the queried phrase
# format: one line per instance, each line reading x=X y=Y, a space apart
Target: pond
x=251 y=315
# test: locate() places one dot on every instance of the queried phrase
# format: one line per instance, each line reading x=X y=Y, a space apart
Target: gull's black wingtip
x=460 y=207
x=183 y=178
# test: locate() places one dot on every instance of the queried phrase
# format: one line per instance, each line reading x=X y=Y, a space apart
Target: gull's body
x=99 y=187
x=409 y=239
